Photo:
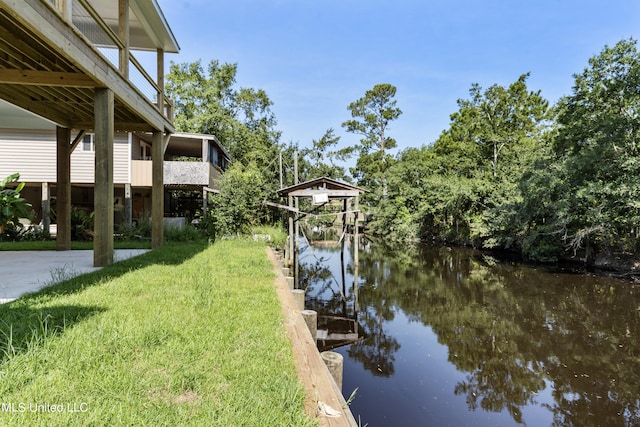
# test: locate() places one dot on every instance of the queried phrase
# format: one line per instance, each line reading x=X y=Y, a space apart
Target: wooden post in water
x=298 y=298
x=311 y=319
x=291 y=243
x=290 y=283
x=334 y=362
x=356 y=246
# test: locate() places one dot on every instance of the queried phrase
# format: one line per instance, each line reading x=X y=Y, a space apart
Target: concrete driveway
x=22 y=272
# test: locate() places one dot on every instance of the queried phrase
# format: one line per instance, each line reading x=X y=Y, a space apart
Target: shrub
x=182 y=234
x=12 y=206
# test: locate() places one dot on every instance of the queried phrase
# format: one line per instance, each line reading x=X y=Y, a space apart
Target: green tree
x=320 y=159
x=501 y=120
x=464 y=187
x=598 y=143
x=210 y=103
x=238 y=206
x=371 y=117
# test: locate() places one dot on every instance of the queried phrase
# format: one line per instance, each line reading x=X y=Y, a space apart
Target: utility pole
x=281 y=170
x=296 y=271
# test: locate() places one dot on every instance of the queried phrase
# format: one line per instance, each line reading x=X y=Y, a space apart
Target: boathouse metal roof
x=334 y=189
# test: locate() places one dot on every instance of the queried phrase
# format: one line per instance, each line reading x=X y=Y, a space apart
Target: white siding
x=32 y=153
x=121 y=156
x=82 y=166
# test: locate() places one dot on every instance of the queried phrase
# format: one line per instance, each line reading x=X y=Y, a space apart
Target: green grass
x=186 y=335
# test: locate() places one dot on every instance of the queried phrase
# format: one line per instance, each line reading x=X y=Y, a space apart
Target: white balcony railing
x=88 y=22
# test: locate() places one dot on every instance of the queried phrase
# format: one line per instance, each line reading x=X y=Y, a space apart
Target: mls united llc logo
x=43 y=407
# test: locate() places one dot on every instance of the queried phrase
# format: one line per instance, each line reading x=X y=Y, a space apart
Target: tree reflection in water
x=515 y=331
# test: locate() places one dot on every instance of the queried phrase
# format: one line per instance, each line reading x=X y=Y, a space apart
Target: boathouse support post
x=356 y=246
x=289 y=259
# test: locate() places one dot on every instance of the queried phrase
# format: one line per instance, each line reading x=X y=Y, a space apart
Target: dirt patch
x=162 y=394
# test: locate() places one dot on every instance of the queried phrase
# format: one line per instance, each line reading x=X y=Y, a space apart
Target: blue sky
x=315 y=57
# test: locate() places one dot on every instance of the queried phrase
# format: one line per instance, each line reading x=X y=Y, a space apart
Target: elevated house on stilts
x=71 y=63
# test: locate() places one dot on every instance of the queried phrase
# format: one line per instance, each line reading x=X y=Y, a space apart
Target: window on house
x=216 y=156
x=145 y=151
x=88 y=142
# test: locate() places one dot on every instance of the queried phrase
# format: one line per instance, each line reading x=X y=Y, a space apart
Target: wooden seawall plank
x=314 y=375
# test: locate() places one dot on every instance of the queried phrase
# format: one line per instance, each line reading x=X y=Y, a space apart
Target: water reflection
x=537 y=345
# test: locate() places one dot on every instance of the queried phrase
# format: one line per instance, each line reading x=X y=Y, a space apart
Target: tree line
x=513 y=172
x=510 y=172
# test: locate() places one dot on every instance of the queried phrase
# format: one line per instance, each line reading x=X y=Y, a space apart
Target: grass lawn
x=186 y=335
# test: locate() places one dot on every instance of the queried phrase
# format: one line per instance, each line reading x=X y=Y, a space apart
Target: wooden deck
x=312 y=372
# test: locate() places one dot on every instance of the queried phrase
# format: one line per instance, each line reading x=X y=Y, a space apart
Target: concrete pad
x=22 y=272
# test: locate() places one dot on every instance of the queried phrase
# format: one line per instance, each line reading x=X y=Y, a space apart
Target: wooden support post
x=160 y=69
x=356 y=249
x=63 y=189
x=345 y=224
x=298 y=298
x=123 y=35
x=291 y=231
x=46 y=209
x=103 y=195
x=311 y=319
x=290 y=283
x=296 y=258
x=128 y=205
x=204 y=203
x=334 y=362
x=157 y=190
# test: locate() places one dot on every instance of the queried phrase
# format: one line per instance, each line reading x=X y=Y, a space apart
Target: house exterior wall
x=141 y=173
x=32 y=153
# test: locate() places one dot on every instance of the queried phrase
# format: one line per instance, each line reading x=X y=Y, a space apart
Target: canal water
x=450 y=337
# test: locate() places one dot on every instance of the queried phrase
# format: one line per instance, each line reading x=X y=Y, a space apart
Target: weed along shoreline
x=323 y=399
